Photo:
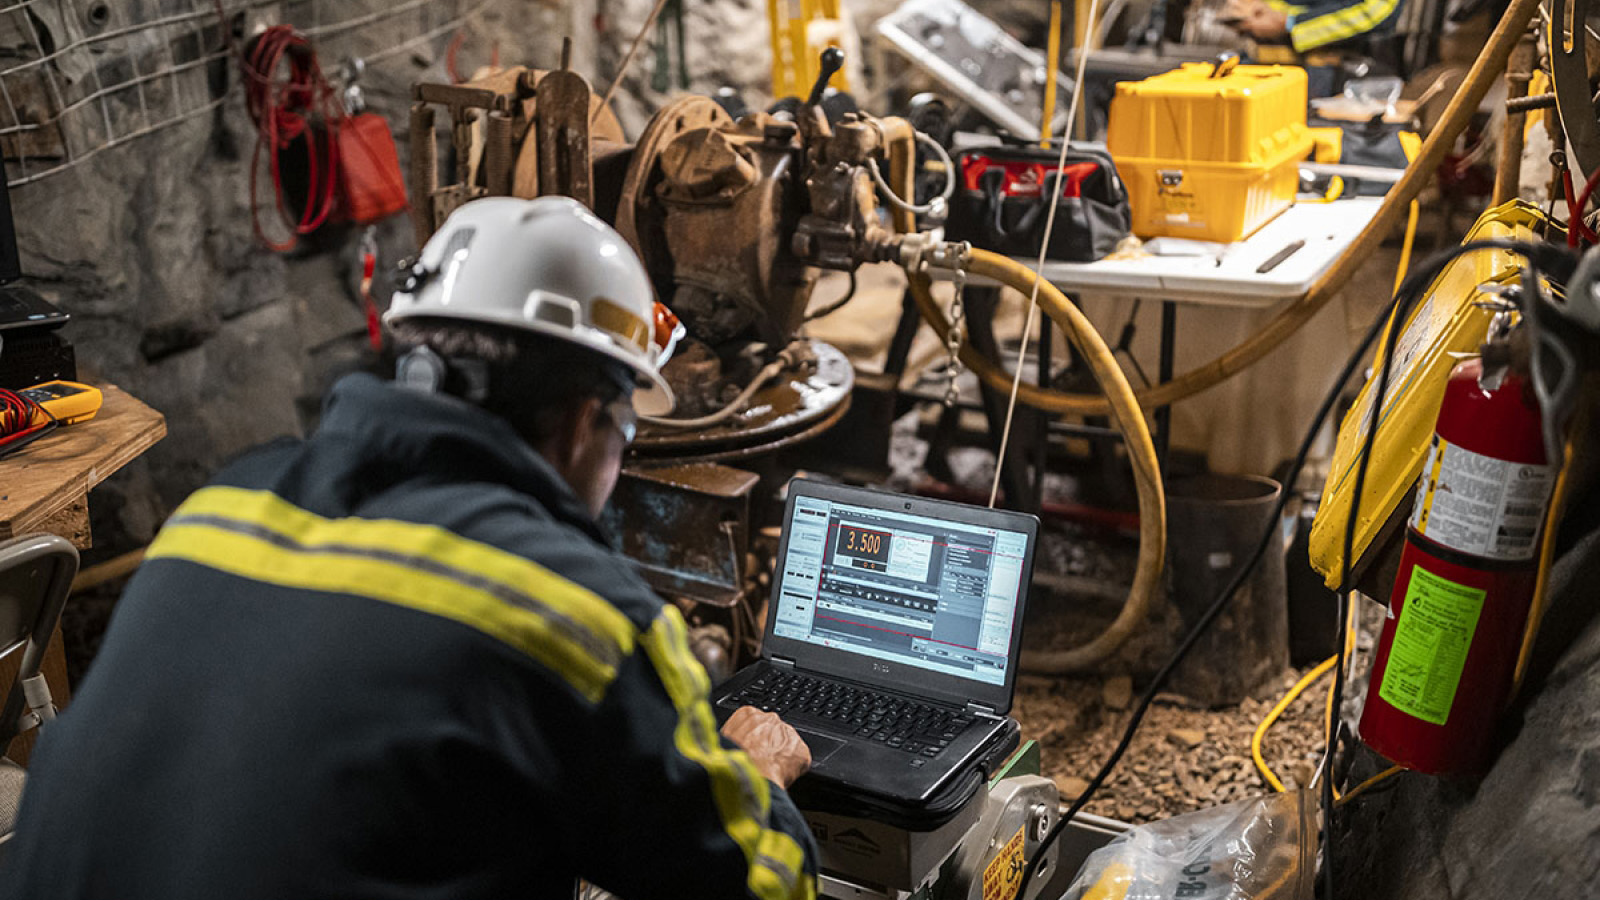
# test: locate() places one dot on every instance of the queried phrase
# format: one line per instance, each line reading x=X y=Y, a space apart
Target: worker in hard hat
x=1311 y=26
x=399 y=659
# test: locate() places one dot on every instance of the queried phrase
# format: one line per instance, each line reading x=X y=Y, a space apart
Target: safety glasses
x=622 y=415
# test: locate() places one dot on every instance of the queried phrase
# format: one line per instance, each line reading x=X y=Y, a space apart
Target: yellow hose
x=1547 y=553
x=1266 y=723
x=1141 y=453
x=1364 y=786
x=1405 y=248
x=1485 y=70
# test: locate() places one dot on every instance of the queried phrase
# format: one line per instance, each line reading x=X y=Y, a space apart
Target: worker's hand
x=1234 y=12
x=774 y=747
x=1264 y=23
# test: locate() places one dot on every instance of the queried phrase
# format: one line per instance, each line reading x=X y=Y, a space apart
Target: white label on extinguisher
x=1480 y=505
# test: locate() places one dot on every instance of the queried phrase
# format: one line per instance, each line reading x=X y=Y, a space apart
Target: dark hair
x=531 y=379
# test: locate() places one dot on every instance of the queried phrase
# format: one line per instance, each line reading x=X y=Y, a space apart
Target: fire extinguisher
x=1446 y=660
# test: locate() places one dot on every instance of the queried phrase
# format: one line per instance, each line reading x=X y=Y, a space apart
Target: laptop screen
x=932 y=593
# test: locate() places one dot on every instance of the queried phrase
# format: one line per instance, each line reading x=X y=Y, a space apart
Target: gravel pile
x=1183 y=758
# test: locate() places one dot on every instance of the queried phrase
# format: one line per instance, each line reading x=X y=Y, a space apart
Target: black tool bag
x=999 y=203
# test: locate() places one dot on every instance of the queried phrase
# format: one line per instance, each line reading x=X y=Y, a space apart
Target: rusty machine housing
x=734 y=222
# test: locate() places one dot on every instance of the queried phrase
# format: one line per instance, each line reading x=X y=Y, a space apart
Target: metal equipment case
x=1452 y=319
x=1210 y=151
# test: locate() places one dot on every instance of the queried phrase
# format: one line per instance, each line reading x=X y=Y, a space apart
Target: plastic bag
x=1261 y=849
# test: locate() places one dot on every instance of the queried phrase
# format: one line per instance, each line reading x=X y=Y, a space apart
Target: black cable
x=838 y=304
x=1213 y=611
x=16 y=415
x=1410 y=292
x=1125 y=342
x=1420 y=277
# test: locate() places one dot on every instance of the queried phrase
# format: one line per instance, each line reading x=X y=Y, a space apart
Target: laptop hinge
x=983 y=708
x=783 y=661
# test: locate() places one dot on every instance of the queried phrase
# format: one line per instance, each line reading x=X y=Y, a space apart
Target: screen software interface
x=899 y=587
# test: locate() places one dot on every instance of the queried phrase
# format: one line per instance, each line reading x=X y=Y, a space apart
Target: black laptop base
x=820 y=795
x=856 y=766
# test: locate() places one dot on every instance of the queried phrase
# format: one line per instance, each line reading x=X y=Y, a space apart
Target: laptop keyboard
x=893 y=721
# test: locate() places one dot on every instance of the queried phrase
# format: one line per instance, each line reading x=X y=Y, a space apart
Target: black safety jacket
x=395 y=660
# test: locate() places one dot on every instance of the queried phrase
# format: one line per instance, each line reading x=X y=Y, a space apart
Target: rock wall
x=149 y=244
x=1531 y=826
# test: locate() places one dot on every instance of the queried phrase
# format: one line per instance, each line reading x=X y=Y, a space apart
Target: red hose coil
x=284 y=108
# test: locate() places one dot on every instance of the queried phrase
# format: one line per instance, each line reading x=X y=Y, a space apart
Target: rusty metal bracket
x=566 y=166
x=434 y=202
x=686 y=527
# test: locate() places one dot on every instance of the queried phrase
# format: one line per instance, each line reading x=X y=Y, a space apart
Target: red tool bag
x=351 y=168
x=370 y=183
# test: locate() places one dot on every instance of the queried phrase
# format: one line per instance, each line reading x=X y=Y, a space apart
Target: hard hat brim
x=652 y=397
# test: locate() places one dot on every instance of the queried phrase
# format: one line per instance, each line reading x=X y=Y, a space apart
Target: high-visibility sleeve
x=1321 y=24
x=679 y=811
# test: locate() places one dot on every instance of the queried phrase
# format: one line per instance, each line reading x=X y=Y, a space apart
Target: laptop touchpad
x=822 y=746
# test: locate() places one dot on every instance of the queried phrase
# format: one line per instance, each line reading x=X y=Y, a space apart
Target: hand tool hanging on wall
x=670 y=24
x=369 y=306
x=371 y=185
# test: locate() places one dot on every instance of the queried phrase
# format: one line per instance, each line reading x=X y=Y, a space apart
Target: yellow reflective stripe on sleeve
x=742 y=795
x=1341 y=24
x=257 y=535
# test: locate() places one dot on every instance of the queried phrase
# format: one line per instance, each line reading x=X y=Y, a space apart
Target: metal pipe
x=1531 y=103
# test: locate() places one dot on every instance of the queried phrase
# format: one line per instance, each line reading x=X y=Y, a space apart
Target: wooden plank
x=71 y=522
x=49 y=476
x=45 y=487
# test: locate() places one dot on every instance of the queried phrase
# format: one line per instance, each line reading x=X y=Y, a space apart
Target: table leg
x=54 y=669
x=1169 y=321
x=981 y=304
x=1042 y=423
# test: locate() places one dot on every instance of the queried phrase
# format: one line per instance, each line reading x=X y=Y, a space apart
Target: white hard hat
x=547 y=266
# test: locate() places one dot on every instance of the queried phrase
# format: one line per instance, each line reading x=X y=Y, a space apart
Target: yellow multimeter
x=68 y=401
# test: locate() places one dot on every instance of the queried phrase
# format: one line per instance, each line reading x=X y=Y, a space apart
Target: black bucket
x=1213 y=523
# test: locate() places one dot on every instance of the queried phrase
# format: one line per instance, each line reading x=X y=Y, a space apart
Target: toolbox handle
x=1225 y=63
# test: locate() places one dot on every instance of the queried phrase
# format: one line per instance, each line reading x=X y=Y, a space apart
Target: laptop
x=21 y=307
x=892 y=635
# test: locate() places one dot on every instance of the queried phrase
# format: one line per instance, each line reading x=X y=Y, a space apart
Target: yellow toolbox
x=1210 y=151
x=1449 y=321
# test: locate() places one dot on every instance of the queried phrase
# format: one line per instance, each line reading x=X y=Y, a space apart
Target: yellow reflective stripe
x=1341 y=24
x=742 y=795
x=1338 y=25
x=257 y=535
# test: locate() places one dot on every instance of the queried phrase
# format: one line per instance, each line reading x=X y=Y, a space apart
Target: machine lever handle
x=832 y=61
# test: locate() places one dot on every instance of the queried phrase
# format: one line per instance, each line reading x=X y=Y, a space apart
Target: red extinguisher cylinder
x=1448 y=653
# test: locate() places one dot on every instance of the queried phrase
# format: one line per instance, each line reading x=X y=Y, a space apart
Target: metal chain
x=954 y=337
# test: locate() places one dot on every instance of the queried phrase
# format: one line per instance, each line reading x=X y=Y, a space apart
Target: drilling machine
x=735 y=221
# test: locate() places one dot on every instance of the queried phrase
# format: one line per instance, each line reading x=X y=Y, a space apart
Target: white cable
x=938 y=203
x=768 y=372
x=1044 y=247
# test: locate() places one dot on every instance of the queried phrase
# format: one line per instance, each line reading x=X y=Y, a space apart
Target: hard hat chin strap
x=421 y=369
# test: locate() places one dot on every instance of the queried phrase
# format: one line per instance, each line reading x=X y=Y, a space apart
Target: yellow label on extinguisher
x=1431 y=641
